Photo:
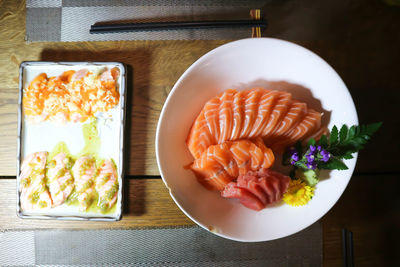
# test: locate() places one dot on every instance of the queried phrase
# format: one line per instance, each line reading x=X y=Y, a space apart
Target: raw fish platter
x=237 y=134
x=70 y=140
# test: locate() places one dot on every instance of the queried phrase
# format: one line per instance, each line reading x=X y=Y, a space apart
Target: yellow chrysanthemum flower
x=298 y=193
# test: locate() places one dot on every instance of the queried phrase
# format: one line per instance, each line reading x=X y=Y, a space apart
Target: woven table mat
x=70 y=20
x=189 y=246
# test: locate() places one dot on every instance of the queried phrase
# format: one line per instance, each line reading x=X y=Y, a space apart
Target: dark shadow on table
x=138 y=69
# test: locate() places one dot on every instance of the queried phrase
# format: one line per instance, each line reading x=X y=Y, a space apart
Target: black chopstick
x=347 y=248
x=175 y=25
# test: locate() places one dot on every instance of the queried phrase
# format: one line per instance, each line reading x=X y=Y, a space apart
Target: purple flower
x=319 y=148
x=294 y=158
x=312 y=149
x=325 y=155
x=312 y=165
x=310 y=157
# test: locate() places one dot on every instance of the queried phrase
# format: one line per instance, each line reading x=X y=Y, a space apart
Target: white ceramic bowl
x=269 y=63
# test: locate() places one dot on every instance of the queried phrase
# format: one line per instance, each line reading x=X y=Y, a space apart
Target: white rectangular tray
x=35 y=137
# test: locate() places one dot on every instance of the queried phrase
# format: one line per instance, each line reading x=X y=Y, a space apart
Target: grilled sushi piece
x=34 y=192
x=107 y=185
x=84 y=172
x=61 y=181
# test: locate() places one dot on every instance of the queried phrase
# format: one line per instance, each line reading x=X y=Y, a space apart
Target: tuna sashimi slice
x=245 y=197
x=265 y=185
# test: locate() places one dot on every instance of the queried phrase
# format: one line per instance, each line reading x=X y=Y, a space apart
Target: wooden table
x=363 y=46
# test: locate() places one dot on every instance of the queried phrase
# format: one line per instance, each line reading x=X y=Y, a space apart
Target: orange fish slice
x=267 y=102
x=199 y=137
x=221 y=163
x=251 y=104
x=226 y=115
x=238 y=115
x=277 y=113
x=211 y=114
x=307 y=127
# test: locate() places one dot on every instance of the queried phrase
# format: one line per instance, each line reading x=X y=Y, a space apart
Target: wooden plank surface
x=147 y=204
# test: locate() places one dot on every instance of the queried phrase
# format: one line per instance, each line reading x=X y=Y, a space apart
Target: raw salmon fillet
x=107 y=185
x=305 y=128
x=34 y=192
x=222 y=163
x=256 y=190
x=257 y=112
x=84 y=171
x=61 y=182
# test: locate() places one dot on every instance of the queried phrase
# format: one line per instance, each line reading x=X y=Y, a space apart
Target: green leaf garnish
x=334 y=136
x=351 y=140
x=333 y=164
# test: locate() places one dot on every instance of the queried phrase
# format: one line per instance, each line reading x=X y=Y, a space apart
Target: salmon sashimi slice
x=253 y=113
x=256 y=190
x=226 y=115
x=223 y=156
x=200 y=137
x=84 y=172
x=317 y=135
x=61 y=182
x=107 y=185
x=66 y=76
x=110 y=75
x=33 y=98
x=209 y=171
x=307 y=127
x=277 y=113
x=238 y=115
x=295 y=114
x=267 y=102
x=251 y=104
x=211 y=114
x=34 y=192
x=220 y=164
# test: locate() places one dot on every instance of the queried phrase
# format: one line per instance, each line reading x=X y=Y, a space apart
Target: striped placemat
x=188 y=246
x=70 y=20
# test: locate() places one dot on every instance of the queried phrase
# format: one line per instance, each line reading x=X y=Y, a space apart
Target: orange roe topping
x=72 y=96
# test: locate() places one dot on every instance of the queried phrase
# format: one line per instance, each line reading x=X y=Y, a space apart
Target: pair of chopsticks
x=176 y=25
x=347 y=248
